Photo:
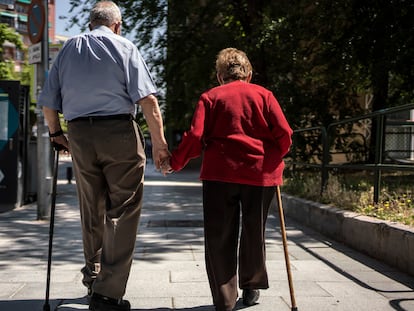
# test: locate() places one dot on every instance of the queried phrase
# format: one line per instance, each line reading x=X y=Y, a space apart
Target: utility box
x=14 y=142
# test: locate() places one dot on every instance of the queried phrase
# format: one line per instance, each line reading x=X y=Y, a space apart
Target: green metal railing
x=325 y=137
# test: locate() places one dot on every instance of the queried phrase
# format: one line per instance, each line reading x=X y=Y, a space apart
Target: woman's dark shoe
x=102 y=303
x=250 y=296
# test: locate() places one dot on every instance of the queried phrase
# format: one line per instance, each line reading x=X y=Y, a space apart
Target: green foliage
x=7 y=70
x=25 y=75
x=8 y=34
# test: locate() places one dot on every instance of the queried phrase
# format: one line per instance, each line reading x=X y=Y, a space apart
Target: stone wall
x=389 y=242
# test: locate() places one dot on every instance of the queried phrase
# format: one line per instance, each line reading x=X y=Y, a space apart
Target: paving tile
x=168 y=272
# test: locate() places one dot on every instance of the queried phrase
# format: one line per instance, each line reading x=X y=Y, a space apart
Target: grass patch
x=355 y=192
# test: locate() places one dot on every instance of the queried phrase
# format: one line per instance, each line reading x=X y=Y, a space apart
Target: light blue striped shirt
x=95 y=74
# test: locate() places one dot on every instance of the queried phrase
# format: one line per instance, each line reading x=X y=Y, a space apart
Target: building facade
x=14 y=13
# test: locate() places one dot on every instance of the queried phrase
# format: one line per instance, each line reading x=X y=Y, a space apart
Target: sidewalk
x=168 y=272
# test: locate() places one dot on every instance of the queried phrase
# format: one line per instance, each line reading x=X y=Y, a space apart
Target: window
x=8 y=18
x=7 y=2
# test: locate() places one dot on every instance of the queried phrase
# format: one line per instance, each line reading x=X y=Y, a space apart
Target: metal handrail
x=377 y=167
x=373 y=114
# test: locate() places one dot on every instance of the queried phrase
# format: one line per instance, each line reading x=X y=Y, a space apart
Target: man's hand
x=60 y=143
x=166 y=167
x=161 y=155
x=57 y=138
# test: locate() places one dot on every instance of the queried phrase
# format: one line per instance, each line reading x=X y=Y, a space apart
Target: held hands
x=166 y=167
x=162 y=159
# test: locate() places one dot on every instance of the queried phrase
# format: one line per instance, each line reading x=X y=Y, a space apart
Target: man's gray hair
x=105 y=13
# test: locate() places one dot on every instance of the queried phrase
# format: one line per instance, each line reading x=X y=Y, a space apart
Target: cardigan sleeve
x=191 y=144
x=280 y=128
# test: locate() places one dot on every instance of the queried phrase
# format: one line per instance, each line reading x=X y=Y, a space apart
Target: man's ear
x=90 y=27
x=117 y=28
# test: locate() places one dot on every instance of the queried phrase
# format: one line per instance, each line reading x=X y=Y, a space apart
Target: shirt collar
x=103 y=28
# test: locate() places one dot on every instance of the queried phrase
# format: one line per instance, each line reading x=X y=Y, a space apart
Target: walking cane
x=46 y=306
x=285 y=249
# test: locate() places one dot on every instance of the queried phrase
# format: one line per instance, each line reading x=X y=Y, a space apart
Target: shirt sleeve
x=139 y=81
x=191 y=144
x=50 y=95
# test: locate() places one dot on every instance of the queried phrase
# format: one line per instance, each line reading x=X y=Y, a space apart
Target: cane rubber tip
x=294 y=309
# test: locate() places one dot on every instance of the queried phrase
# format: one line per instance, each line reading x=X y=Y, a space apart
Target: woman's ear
x=249 y=77
x=220 y=79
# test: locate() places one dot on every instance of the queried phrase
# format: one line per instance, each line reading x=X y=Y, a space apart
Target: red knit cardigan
x=243 y=133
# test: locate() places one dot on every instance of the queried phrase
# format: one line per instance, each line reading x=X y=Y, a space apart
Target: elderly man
x=96 y=81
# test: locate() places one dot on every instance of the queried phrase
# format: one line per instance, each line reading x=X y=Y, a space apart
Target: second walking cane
x=285 y=249
x=46 y=306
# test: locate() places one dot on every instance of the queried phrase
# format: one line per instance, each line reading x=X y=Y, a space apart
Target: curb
x=386 y=241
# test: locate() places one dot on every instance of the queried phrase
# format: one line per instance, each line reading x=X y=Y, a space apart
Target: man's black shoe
x=250 y=296
x=102 y=303
x=89 y=295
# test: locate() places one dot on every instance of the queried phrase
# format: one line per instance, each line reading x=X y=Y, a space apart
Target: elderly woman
x=244 y=135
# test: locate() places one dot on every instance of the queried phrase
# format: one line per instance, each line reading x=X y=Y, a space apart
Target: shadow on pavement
x=73 y=304
x=25 y=305
x=376 y=265
x=81 y=303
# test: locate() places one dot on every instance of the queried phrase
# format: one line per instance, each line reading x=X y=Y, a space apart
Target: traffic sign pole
x=39 y=33
x=37 y=14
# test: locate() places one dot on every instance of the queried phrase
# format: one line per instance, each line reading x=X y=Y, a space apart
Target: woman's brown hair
x=233 y=64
